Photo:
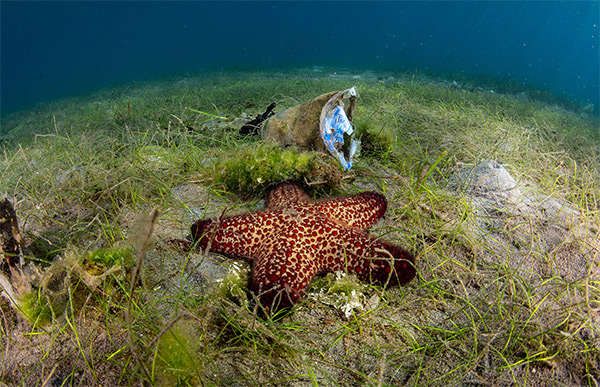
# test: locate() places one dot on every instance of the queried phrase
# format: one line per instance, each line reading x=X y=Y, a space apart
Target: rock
x=494 y=189
x=488 y=179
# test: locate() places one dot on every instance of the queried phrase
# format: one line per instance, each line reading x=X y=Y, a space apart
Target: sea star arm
x=359 y=211
x=239 y=236
x=371 y=259
x=280 y=276
x=286 y=194
x=377 y=261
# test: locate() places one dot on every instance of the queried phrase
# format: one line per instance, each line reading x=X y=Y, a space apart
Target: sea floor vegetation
x=495 y=192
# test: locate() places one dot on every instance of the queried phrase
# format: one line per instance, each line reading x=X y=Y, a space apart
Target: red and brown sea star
x=294 y=238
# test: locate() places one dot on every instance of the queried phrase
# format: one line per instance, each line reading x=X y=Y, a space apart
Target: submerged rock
x=494 y=190
x=488 y=179
x=523 y=226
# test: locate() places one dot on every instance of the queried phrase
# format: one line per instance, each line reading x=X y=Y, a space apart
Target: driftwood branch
x=11 y=242
x=253 y=127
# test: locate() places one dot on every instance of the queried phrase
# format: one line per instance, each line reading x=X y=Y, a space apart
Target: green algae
x=251 y=169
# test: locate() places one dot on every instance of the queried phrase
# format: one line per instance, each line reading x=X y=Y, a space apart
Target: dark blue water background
x=51 y=50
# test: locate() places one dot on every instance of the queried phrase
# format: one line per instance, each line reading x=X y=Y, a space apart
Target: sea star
x=294 y=238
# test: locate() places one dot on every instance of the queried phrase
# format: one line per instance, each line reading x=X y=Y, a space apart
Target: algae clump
x=252 y=169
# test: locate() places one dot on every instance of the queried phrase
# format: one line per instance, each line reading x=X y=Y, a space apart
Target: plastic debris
x=336 y=129
x=323 y=123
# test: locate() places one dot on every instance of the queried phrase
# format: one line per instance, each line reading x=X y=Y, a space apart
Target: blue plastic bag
x=336 y=129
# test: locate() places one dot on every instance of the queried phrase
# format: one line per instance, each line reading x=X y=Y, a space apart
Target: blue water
x=51 y=50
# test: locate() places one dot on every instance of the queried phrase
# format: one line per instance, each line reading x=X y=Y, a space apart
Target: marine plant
x=503 y=296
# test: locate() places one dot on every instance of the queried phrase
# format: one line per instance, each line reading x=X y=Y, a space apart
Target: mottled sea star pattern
x=294 y=238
